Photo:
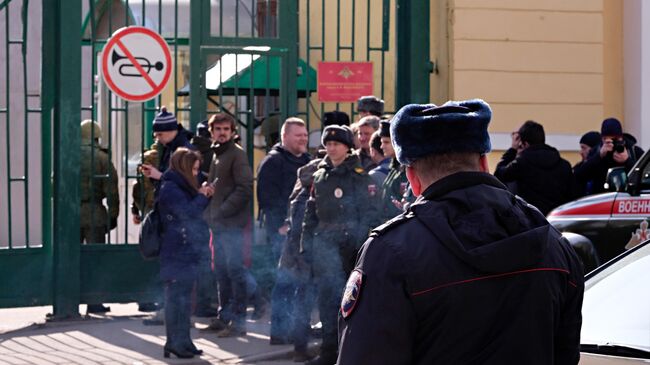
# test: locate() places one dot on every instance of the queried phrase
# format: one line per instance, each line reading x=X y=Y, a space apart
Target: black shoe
x=192 y=348
x=322 y=360
x=260 y=310
x=97 y=308
x=206 y=312
x=180 y=353
x=217 y=324
x=280 y=340
x=316 y=330
x=303 y=356
x=147 y=307
x=232 y=331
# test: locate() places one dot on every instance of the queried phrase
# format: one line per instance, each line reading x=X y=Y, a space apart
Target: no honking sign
x=136 y=63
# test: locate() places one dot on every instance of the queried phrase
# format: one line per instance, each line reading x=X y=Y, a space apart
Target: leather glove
x=113 y=224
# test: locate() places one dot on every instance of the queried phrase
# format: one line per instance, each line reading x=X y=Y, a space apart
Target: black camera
x=619 y=146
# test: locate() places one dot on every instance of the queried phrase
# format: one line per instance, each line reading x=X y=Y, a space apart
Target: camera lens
x=619 y=147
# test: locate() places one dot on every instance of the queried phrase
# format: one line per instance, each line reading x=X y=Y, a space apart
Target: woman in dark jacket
x=185 y=240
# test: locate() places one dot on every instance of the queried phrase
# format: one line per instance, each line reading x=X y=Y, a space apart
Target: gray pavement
x=119 y=337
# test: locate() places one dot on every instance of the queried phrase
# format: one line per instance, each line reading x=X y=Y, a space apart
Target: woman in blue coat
x=185 y=240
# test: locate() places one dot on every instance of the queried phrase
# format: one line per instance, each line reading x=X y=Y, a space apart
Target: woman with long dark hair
x=186 y=235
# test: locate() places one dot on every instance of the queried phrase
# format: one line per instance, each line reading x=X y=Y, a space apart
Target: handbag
x=150 y=238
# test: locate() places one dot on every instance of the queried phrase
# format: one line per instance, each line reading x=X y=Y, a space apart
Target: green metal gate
x=243 y=57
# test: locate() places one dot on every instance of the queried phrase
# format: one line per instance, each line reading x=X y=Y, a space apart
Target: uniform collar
x=460 y=180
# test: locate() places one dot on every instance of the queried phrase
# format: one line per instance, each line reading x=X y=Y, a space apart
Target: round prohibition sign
x=136 y=63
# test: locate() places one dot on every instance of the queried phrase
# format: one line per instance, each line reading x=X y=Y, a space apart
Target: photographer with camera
x=614 y=151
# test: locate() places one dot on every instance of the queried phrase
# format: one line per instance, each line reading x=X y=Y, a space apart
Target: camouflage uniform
x=339 y=214
x=144 y=190
x=96 y=220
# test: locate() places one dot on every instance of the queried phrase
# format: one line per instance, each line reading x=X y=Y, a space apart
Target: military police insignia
x=352 y=293
x=338 y=193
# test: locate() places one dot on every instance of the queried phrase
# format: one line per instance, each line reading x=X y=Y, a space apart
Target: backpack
x=150 y=238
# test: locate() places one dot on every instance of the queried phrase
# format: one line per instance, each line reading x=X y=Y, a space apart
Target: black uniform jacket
x=470 y=274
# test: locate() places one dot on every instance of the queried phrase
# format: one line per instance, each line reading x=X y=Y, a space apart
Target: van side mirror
x=616 y=179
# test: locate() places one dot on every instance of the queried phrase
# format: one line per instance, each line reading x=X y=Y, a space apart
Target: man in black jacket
x=469 y=274
x=535 y=171
x=275 y=180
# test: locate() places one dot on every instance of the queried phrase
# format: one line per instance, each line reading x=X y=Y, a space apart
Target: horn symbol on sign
x=143 y=62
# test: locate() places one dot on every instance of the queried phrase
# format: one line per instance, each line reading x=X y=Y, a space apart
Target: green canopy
x=241 y=71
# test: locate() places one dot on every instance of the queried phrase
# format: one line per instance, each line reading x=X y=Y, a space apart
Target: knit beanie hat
x=611 y=127
x=164 y=121
x=591 y=139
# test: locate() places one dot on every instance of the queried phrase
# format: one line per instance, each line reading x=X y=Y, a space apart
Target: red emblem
x=372 y=189
x=352 y=293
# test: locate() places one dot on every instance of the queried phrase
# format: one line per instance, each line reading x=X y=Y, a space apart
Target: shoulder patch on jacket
x=402 y=218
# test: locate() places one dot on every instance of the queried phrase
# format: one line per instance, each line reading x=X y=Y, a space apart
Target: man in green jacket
x=98 y=181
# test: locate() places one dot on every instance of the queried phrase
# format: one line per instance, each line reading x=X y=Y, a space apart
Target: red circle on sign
x=114 y=41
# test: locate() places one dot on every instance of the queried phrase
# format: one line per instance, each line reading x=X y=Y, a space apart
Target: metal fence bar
x=23 y=50
x=7 y=130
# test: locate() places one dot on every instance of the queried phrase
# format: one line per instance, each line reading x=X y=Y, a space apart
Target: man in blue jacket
x=275 y=180
x=469 y=274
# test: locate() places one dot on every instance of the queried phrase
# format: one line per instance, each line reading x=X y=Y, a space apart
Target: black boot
x=181 y=353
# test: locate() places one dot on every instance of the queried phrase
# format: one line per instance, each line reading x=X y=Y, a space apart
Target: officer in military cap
x=98 y=179
x=98 y=182
x=470 y=274
x=339 y=214
x=370 y=105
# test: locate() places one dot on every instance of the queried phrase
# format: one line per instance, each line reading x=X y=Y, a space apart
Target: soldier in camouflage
x=339 y=214
x=98 y=179
x=144 y=190
x=98 y=182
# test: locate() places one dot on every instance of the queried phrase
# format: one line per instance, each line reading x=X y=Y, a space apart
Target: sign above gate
x=344 y=81
x=136 y=63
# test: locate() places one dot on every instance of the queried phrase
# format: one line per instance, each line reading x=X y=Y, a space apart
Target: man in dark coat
x=228 y=214
x=588 y=141
x=615 y=150
x=275 y=180
x=340 y=212
x=470 y=274
x=535 y=171
x=395 y=185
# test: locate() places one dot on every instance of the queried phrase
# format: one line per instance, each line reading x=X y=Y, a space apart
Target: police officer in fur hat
x=469 y=273
x=370 y=105
x=340 y=212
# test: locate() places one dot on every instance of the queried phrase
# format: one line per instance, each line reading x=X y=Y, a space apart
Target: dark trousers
x=96 y=234
x=231 y=274
x=205 y=286
x=303 y=305
x=178 y=294
x=329 y=276
x=282 y=304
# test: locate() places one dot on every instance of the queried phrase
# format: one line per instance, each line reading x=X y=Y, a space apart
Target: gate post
x=199 y=13
x=413 y=66
x=61 y=102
